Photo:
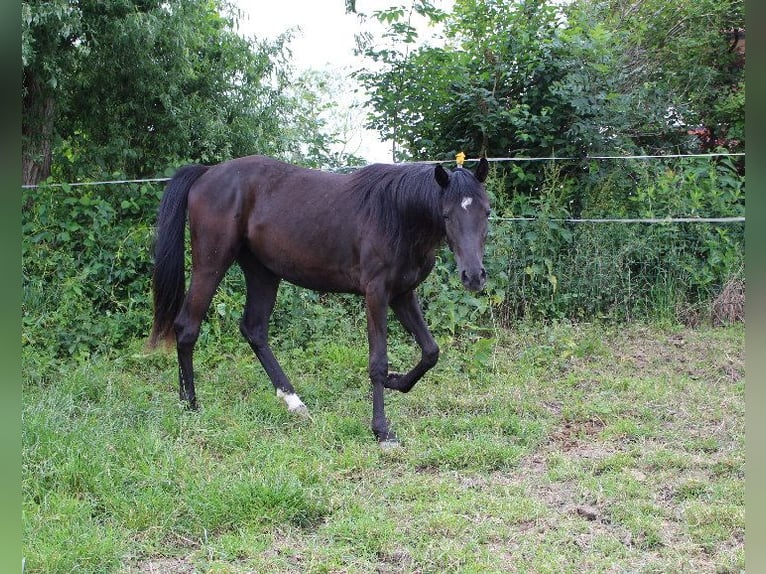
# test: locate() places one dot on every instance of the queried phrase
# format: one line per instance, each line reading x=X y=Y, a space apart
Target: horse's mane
x=404 y=201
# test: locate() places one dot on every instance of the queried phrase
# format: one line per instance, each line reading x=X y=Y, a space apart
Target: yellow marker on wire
x=459 y=159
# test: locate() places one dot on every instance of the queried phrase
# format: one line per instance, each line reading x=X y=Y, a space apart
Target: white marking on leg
x=293 y=401
x=466 y=202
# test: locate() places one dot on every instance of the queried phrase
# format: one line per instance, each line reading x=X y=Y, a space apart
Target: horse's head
x=465 y=208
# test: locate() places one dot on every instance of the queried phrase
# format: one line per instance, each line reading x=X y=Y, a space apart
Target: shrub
x=86 y=266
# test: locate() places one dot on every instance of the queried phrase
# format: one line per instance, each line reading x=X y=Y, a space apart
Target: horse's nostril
x=474 y=281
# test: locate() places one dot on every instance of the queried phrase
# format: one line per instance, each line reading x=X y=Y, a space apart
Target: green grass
x=559 y=448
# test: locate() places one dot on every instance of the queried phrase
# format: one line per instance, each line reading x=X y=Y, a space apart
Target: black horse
x=373 y=232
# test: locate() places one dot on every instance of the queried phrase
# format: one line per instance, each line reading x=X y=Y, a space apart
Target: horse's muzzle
x=474 y=281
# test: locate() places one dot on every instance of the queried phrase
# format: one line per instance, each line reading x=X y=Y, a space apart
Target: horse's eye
x=445 y=216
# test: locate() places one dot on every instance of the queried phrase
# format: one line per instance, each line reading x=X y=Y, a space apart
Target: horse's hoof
x=300 y=410
x=190 y=405
x=294 y=403
x=389 y=444
x=386 y=439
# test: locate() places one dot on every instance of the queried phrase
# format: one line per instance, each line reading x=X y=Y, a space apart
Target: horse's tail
x=168 y=278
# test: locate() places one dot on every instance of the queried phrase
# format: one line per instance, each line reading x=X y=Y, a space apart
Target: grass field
x=564 y=448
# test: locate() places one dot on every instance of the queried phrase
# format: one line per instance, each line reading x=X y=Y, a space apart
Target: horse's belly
x=317 y=277
x=313 y=268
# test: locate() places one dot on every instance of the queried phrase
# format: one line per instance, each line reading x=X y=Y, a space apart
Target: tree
x=137 y=86
x=540 y=78
x=522 y=77
x=691 y=53
x=49 y=33
x=324 y=130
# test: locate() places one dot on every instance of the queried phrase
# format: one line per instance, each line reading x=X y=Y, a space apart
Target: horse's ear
x=482 y=170
x=441 y=175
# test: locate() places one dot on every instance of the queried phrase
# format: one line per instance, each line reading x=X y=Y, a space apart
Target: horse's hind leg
x=213 y=248
x=262 y=287
x=204 y=282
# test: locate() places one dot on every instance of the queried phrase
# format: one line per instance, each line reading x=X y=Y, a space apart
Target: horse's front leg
x=377 y=308
x=408 y=311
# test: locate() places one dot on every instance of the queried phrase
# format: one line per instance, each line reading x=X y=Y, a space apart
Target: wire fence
x=656 y=220
x=430 y=161
x=542 y=264
x=593 y=157
x=651 y=220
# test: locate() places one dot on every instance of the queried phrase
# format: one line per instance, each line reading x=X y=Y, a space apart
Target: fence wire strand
x=496 y=159
x=629 y=220
x=649 y=220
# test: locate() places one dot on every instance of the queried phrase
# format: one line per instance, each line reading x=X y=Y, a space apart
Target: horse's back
x=270 y=186
x=302 y=224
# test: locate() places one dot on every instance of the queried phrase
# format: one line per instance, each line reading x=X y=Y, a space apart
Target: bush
x=544 y=267
x=624 y=271
x=87 y=266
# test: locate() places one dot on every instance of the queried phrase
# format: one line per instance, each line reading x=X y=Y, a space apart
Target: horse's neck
x=421 y=240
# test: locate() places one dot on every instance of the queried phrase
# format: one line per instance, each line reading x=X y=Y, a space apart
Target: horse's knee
x=431 y=356
x=186 y=336
x=378 y=371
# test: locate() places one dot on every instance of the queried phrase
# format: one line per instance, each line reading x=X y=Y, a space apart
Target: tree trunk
x=36 y=131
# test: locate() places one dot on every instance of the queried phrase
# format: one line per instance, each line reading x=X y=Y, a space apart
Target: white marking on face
x=294 y=402
x=466 y=202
